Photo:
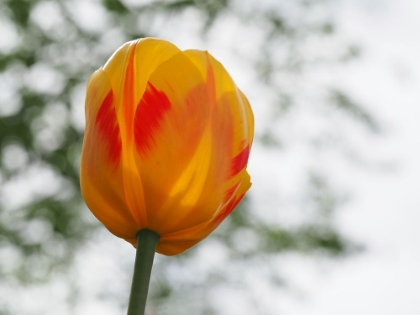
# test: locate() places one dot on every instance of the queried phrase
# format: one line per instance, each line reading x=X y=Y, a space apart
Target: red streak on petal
x=239 y=161
x=149 y=113
x=106 y=120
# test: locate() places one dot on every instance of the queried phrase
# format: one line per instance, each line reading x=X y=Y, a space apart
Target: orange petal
x=170 y=123
x=231 y=104
x=129 y=70
x=180 y=241
x=101 y=172
x=142 y=56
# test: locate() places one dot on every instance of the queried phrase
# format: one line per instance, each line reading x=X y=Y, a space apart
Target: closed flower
x=167 y=140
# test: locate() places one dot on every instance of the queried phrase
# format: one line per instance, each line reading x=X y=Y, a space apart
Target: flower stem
x=146 y=246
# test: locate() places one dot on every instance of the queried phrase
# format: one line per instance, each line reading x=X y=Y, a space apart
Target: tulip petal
x=129 y=70
x=178 y=105
x=232 y=119
x=180 y=241
x=230 y=131
x=143 y=56
x=101 y=173
x=229 y=99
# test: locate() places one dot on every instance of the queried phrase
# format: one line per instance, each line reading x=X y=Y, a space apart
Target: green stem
x=146 y=246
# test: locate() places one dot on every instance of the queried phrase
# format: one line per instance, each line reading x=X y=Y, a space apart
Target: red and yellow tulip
x=167 y=140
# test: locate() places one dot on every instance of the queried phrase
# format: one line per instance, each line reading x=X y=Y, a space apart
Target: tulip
x=167 y=140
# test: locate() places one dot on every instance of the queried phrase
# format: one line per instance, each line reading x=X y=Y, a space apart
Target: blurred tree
x=48 y=51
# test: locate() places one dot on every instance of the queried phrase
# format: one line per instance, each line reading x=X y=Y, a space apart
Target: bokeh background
x=331 y=224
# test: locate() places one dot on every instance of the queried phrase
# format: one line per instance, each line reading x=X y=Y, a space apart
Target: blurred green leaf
x=343 y=102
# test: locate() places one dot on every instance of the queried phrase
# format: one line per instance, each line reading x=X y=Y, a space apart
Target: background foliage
x=48 y=53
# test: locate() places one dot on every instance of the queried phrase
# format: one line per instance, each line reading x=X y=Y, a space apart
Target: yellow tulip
x=167 y=140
